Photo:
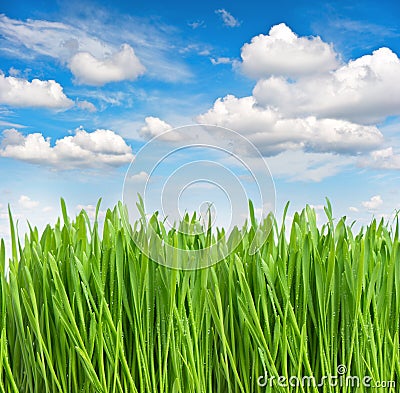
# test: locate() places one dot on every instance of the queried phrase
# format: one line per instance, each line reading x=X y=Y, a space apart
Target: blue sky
x=315 y=86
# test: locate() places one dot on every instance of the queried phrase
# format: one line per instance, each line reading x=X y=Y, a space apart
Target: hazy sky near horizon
x=315 y=87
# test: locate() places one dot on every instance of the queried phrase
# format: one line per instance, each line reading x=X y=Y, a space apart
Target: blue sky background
x=157 y=65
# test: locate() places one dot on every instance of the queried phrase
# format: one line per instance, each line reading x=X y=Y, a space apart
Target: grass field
x=83 y=310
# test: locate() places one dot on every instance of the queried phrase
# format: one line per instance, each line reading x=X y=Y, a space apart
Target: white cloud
x=10 y=124
x=82 y=150
x=37 y=93
x=365 y=90
x=140 y=177
x=353 y=209
x=382 y=159
x=221 y=60
x=112 y=98
x=198 y=48
x=374 y=203
x=86 y=106
x=154 y=127
x=100 y=38
x=196 y=24
x=14 y=72
x=228 y=19
x=273 y=133
x=122 y=65
x=54 y=39
x=283 y=53
x=12 y=137
x=27 y=203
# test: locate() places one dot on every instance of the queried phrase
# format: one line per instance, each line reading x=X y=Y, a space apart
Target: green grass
x=84 y=312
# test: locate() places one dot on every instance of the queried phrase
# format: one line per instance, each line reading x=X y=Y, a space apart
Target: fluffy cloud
x=374 y=203
x=37 y=93
x=153 y=127
x=365 y=90
x=140 y=177
x=82 y=150
x=122 y=65
x=382 y=159
x=228 y=19
x=27 y=203
x=12 y=137
x=283 y=53
x=273 y=133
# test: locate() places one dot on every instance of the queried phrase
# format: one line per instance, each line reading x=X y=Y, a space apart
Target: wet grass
x=84 y=310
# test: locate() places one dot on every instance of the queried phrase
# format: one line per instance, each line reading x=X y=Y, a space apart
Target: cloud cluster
x=373 y=204
x=79 y=43
x=273 y=133
x=364 y=90
x=306 y=98
x=310 y=113
x=121 y=65
x=83 y=150
x=91 y=60
x=37 y=93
